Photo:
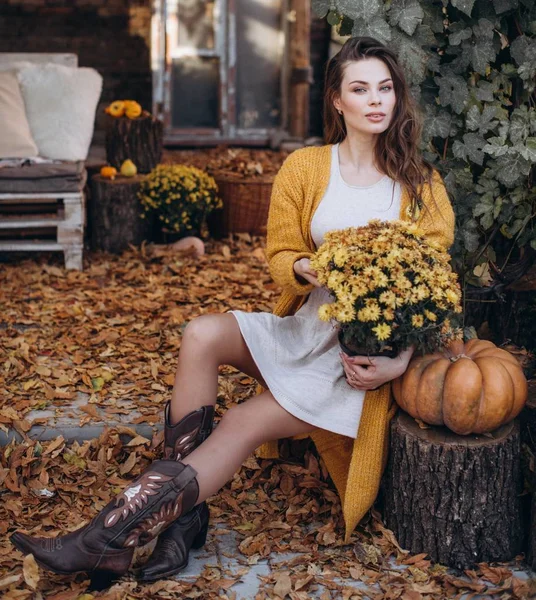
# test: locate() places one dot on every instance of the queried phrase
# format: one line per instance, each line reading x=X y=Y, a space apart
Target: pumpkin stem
x=458 y=356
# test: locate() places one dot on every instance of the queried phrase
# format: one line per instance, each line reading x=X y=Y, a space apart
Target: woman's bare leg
x=208 y=342
x=242 y=429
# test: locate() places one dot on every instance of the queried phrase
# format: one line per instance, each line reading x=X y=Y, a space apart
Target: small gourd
x=128 y=168
x=116 y=108
x=108 y=172
x=132 y=109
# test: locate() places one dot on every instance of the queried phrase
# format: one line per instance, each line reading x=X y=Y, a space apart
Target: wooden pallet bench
x=63 y=217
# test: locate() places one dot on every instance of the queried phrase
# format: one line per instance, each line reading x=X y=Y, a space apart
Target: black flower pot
x=351 y=350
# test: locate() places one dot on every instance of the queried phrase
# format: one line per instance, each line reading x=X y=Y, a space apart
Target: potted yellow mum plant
x=391 y=288
x=181 y=197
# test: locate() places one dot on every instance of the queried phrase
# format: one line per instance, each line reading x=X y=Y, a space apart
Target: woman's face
x=367 y=88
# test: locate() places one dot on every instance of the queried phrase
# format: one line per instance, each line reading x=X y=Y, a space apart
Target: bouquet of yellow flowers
x=181 y=196
x=392 y=289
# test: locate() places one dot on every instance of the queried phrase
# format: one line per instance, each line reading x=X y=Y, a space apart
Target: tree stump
x=140 y=140
x=454 y=497
x=527 y=420
x=115 y=214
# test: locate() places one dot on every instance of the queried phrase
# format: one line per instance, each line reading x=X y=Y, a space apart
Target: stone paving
x=221 y=550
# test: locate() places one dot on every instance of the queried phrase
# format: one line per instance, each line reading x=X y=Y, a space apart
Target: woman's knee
x=203 y=331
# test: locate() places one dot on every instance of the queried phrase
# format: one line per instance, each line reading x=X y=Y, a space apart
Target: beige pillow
x=16 y=140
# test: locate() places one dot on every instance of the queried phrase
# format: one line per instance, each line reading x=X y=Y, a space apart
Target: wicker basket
x=245 y=207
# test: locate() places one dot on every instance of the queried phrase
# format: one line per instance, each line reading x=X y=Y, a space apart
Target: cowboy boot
x=190 y=531
x=183 y=437
x=158 y=497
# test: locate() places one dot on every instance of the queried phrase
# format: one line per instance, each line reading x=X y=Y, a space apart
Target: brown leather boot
x=190 y=531
x=193 y=429
x=160 y=495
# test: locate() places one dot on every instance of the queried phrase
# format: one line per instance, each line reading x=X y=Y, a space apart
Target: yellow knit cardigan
x=356 y=465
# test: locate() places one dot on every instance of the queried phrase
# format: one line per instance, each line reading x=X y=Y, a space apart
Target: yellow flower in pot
x=181 y=196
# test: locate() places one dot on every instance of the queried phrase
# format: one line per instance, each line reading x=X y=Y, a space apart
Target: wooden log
x=454 y=497
x=140 y=140
x=115 y=213
x=527 y=419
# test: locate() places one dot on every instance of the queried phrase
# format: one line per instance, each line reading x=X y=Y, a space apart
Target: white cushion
x=15 y=140
x=15 y=66
x=60 y=105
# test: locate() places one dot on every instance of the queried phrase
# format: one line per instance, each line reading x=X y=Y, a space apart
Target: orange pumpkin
x=108 y=172
x=470 y=388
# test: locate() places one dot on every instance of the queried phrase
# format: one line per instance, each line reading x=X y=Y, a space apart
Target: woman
x=371 y=168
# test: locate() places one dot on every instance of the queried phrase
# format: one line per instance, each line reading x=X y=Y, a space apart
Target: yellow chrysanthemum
x=417 y=320
x=340 y=256
x=325 y=312
x=388 y=314
x=388 y=298
x=335 y=279
x=452 y=296
x=430 y=315
x=345 y=314
x=369 y=313
x=382 y=331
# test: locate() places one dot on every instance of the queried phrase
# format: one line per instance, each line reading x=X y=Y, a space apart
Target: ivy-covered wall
x=472 y=67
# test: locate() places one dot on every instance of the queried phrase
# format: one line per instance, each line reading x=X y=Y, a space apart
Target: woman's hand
x=370 y=372
x=302 y=268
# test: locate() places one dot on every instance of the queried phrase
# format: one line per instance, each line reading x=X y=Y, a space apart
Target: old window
x=218 y=69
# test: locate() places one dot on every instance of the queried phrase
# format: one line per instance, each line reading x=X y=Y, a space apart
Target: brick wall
x=112 y=36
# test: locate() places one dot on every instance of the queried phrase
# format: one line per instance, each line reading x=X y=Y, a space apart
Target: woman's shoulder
x=309 y=157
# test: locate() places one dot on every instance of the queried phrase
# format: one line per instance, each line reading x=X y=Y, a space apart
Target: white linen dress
x=298 y=355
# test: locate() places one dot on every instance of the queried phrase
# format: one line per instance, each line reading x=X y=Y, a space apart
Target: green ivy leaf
x=485 y=211
x=459 y=33
x=487 y=186
x=504 y=5
x=519 y=48
x=470 y=148
x=481 y=53
x=471 y=238
x=433 y=16
x=412 y=57
x=407 y=14
x=520 y=125
x=496 y=146
x=452 y=91
x=378 y=28
x=511 y=168
x=482 y=122
x=484 y=30
x=466 y=6
x=320 y=7
x=438 y=124
x=527 y=150
x=359 y=9
x=426 y=37
x=484 y=91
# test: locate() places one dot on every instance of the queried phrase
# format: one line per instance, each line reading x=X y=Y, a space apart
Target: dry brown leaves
x=113 y=332
x=231 y=163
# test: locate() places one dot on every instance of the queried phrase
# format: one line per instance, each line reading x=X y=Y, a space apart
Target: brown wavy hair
x=396 y=152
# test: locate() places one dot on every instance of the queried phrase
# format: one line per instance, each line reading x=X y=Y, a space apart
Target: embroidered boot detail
x=135 y=497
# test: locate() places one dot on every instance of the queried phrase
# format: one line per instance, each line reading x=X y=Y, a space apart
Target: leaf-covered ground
x=113 y=332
